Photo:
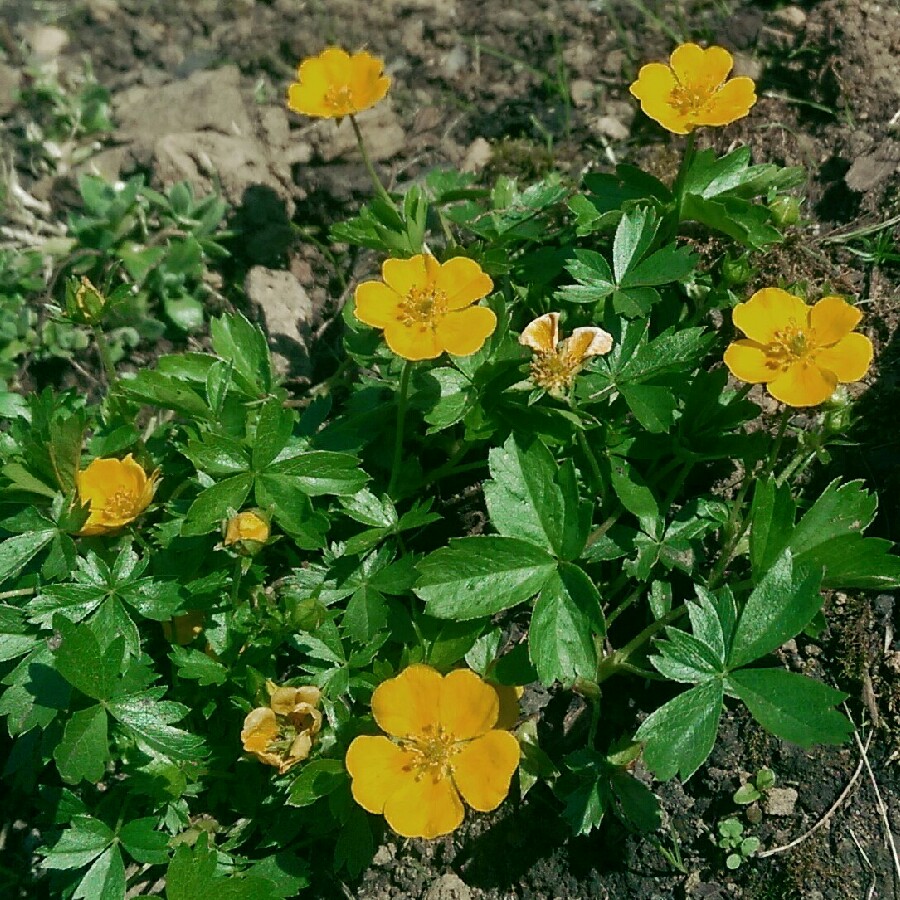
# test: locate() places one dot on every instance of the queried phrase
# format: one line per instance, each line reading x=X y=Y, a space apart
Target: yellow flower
x=335 y=84
x=282 y=733
x=556 y=363
x=184 y=628
x=246 y=526
x=118 y=491
x=800 y=352
x=692 y=90
x=425 y=307
x=446 y=744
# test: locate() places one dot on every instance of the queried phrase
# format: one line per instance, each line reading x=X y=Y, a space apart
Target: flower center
x=339 y=98
x=555 y=371
x=790 y=345
x=121 y=505
x=423 y=306
x=688 y=98
x=432 y=752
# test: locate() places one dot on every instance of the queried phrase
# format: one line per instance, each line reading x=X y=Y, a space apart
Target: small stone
x=383 y=856
x=101 y=11
x=748 y=65
x=10 y=82
x=47 y=42
x=792 y=16
x=381 y=131
x=288 y=313
x=478 y=155
x=580 y=57
x=276 y=129
x=781 y=801
x=413 y=36
x=449 y=887
x=455 y=61
x=610 y=127
x=582 y=92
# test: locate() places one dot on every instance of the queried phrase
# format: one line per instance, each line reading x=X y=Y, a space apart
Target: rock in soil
x=781 y=801
x=449 y=887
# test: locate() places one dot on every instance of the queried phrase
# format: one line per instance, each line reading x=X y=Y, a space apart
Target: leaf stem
x=619 y=660
x=403 y=393
x=105 y=356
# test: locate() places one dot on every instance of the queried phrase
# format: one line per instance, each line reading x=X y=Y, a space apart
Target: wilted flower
x=800 y=352
x=335 y=84
x=282 y=733
x=556 y=363
x=118 y=491
x=445 y=744
x=692 y=90
x=184 y=628
x=247 y=530
x=425 y=307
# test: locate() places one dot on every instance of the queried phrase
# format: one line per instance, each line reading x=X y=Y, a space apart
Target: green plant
x=738 y=849
x=754 y=789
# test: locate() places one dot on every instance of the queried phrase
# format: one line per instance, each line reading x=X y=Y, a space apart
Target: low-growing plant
x=243 y=633
x=737 y=847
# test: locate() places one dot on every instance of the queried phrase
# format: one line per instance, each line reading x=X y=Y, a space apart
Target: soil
x=520 y=87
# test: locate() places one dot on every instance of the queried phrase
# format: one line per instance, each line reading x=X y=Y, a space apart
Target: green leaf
x=653 y=405
x=452 y=391
x=16 y=552
x=185 y=312
x=193 y=875
x=236 y=341
x=594 y=275
x=150 y=721
x=781 y=605
x=82 y=662
x=316 y=779
x=635 y=234
x=324 y=472
x=686 y=659
x=479 y=576
x=680 y=734
x=566 y=618
x=771 y=523
x=195 y=665
x=217 y=455
x=840 y=509
x=637 y=805
x=748 y=223
x=633 y=493
x=105 y=880
x=212 y=506
x=15 y=639
x=670 y=263
x=452 y=641
x=273 y=431
x=157 y=389
x=143 y=842
x=292 y=509
x=854 y=561
x=355 y=846
x=523 y=496
x=791 y=706
x=84 y=749
x=66 y=440
x=82 y=842
x=366 y=614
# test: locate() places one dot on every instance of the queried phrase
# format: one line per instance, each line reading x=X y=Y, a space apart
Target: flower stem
x=683 y=169
x=592 y=461
x=105 y=356
x=380 y=189
x=402 y=394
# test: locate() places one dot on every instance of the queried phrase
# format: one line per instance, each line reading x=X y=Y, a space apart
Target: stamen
x=121 y=505
x=431 y=753
x=423 y=306
x=339 y=97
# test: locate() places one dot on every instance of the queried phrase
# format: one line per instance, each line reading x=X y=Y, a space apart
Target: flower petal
x=509 y=697
x=708 y=71
x=750 y=362
x=768 y=311
x=412 y=341
x=336 y=64
x=688 y=62
x=367 y=85
x=308 y=98
x=804 y=384
x=463 y=281
x=541 y=334
x=849 y=359
x=483 y=769
x=468 y=706
x=425 y=808
x=589 y=341
x=376 y=304
x=463 y=332
x=379 y=769
x=831 y=319
x=654 y=88
x=260 y=728
x=728 y=104
x=404 y=274
x=408 y=705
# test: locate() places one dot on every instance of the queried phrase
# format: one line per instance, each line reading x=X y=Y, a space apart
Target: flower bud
x=785 y=211
x=246 y=532
x=84 y=302
x=736 y=270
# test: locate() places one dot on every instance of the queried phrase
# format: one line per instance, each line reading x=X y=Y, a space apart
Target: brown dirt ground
x=545 y=83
